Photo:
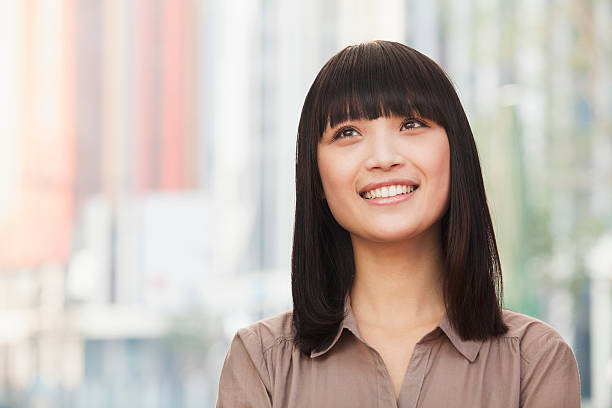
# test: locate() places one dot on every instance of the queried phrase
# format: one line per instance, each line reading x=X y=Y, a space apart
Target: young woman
x=396 y=277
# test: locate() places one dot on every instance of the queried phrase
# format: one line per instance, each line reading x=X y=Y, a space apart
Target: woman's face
x=369 y=167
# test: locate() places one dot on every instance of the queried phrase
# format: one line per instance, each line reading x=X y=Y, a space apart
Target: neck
x=399 y=284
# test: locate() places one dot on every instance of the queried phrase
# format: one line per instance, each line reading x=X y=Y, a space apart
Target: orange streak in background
x=144 y=96
x=171 y=153
x=40 y=232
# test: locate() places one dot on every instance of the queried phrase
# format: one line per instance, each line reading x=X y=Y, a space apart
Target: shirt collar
x=467 y=348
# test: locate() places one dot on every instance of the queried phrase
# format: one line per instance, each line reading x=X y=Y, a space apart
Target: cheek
x=438 y=164
x=337 y=176
x=327 y=174
x=334 y=175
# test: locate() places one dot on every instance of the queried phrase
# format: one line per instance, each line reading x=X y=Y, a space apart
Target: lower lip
x=390 y=200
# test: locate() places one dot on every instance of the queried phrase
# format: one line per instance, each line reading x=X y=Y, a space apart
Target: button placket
x=386 y=394
x=414 y=376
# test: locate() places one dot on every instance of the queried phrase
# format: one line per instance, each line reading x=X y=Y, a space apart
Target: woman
x=396 y=278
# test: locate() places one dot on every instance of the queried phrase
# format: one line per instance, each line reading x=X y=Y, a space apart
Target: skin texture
x=397 y=292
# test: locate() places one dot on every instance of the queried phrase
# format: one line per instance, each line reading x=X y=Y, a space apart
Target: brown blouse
x=531 y=366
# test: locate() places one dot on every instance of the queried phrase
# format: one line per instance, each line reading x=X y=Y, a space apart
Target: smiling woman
x=396 y=278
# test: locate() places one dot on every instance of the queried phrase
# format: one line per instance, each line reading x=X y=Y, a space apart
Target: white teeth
x=389 y=191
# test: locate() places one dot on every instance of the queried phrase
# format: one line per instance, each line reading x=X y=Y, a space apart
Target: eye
x=413 y=124
x=344 y=133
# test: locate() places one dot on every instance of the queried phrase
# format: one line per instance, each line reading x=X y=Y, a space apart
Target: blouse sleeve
x=244 y=381
x=549 y=374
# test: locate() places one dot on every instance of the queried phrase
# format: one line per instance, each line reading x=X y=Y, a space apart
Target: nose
x=384 y=155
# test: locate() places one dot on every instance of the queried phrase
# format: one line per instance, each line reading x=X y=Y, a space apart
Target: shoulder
x=246 y=374
x=534 y=336
x=548 y=368
x=527 y=328
x=268 y=332
x=248 y=352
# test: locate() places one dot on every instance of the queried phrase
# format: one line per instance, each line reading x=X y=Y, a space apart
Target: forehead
x=361 y=116
x=383 y=118
x=374 y=80
x=370 y=98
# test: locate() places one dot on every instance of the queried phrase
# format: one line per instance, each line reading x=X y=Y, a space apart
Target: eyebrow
x=401 y=117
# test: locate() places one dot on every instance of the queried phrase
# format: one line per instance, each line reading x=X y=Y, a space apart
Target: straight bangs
x=367 y=82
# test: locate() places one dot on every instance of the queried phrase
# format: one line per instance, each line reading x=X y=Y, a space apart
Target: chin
x=388 y=235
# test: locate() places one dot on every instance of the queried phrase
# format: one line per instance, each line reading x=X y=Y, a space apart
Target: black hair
x=369 y=80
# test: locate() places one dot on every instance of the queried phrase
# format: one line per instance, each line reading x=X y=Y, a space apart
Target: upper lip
x=392 y=182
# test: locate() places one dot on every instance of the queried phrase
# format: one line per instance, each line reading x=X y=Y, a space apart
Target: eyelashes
x=342 y=132
x=417 y=121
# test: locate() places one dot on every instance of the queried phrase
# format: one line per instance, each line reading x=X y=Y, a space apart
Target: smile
x=397 y=195
x=388 y=191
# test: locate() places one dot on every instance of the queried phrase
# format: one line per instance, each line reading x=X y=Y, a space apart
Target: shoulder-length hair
x=369 y=80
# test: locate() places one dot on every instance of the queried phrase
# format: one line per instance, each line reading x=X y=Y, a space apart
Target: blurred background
x=147 y=155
